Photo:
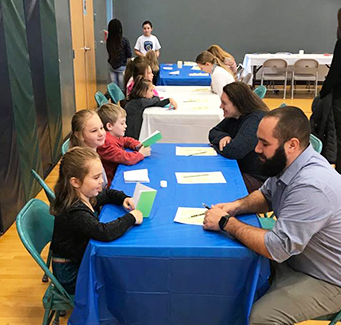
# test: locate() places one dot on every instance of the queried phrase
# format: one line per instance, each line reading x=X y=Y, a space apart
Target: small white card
x=137 y=175
x=167 y=68
x=200 y=178
x=175 y=72
x=191 y=216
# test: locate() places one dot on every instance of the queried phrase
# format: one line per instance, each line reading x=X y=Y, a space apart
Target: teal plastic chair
x=100 y=99
x=260 y=91
x=35 y=229
x=65 y=146
x=115 y=92
x=316 y=143
x=49 y=193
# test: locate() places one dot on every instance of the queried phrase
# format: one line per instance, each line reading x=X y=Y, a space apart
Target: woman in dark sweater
x=235 y=137
x=119 y=52
x=76 y=208
x=332 y=84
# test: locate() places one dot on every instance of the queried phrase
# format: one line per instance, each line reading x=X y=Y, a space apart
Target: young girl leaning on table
x=79 y=197
x=141 y=97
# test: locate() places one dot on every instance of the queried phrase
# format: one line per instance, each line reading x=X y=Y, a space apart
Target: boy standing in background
x=147 y=41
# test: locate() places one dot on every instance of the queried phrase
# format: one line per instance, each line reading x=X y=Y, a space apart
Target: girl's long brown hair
x=75 y=163
x=245 y=100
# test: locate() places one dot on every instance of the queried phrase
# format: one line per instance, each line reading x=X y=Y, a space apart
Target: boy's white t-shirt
x=220 y=78
x=144 y=44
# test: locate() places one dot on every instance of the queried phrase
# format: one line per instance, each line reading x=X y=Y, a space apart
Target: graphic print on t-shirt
x=148 y=45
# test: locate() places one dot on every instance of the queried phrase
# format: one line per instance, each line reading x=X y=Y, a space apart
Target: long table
x=166 y=273
x=253 y=62
x=198 y=112
x=184 y=78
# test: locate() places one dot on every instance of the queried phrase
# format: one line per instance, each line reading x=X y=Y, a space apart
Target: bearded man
x=304 y=191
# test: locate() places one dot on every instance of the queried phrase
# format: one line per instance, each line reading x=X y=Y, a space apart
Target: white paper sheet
x=190 y=216
x=175 y=72
x=198 y=74
x=137 y=175
x=200 y=177
x=195 y=151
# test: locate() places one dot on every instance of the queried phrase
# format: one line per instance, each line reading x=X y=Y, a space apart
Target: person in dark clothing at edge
x=332 y=84
x=235 y=136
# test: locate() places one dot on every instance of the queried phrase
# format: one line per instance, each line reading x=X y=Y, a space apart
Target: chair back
x=49 y=193
x=306 y=66
x=306 y=63
x=316 y=143
x=260 y=91
x=275 y=63
x=115 y=92
x=247 y=78
x=100 y=99
x=35 y=229
x=65 y=146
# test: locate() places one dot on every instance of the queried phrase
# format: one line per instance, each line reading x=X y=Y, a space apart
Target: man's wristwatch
x=223 y=221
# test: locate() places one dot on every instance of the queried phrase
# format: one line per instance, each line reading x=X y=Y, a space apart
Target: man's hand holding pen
x=212 y=218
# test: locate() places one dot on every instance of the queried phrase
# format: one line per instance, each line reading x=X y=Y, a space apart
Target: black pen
x=205 y=206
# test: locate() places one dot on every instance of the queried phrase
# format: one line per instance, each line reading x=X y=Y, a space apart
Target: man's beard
x=274 y=165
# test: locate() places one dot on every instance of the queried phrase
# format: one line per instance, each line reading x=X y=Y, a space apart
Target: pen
x=196 y=153
x=205 y=206
x=197 y=175
x=197 y=215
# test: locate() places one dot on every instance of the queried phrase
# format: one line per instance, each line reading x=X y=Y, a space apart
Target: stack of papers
x=195 y=151
x=197 y=74
x=190 y=63
x=191 y=216
x=200 y=178
x=137 y=175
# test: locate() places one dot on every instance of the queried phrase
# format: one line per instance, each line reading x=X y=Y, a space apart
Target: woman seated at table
x=221 y=75
x=235 y=137
x=224 y=57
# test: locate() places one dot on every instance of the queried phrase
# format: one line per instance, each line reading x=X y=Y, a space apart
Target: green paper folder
x=144 y=197
x=154 y=137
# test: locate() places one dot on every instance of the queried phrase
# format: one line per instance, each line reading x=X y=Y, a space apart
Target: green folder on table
x=154 y=137
x=144 y=197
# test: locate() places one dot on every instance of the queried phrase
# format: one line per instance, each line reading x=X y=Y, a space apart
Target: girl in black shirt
x=79 y=197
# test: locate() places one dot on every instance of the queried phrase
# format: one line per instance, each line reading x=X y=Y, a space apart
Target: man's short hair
x=292 y=123
x=147 y=22
x=109 y=113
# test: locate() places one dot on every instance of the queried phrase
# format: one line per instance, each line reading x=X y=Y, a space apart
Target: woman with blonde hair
x=221 y=75
x=224 y=57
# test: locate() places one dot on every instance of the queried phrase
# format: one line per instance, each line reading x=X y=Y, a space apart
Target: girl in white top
x=220 y=74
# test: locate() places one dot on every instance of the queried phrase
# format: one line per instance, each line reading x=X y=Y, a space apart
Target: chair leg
x=56 y=319
x=48 y=262
x=285 y=84
x=292 y=84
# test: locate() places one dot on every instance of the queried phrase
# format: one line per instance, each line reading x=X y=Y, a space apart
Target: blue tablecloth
x=182 y=79
x=167 y=273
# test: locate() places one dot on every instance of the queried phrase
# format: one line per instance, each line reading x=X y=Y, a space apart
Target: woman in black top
x=79 y=197
x=119 y=51
x=332 y=84
x=235 y=137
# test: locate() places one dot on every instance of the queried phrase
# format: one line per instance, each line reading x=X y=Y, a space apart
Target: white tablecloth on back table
x=257 y=60
x=198 y=111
